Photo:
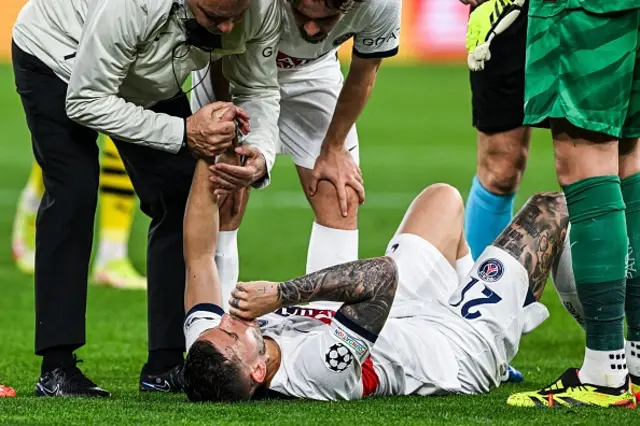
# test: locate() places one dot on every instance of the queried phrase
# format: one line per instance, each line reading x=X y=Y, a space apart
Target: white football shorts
x=308 y=100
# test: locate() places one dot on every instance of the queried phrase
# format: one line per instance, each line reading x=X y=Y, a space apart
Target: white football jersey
x=374 y=26
x=324 y=356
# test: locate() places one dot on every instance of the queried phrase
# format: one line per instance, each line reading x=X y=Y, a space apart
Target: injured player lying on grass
x=419 y=321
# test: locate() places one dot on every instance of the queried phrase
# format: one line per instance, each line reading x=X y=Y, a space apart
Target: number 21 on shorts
x=488 y=298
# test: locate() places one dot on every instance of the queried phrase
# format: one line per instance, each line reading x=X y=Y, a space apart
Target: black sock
x=58 y=357
x=163 y=360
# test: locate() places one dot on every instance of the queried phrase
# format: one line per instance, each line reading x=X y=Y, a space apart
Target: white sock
x=110 y=250
x=463 y=266
x=29 y=200
x=604 y=368
x=228 y=263
x=632 y=350
x=329 y=247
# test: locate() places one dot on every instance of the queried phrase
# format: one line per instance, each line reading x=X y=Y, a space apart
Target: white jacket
x=119 y=57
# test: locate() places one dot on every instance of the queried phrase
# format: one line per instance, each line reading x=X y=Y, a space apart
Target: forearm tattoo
x=536 y=235
x=367 y=288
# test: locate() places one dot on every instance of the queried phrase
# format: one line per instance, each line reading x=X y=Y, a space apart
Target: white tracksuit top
x=120 y=57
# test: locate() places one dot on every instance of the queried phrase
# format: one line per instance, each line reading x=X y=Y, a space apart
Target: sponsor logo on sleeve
x=338 y=358
x=379 y=41
x=491 y=270
x=324 y=315
x=356 y=345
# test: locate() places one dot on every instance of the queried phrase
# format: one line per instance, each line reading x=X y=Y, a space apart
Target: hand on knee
x=327 y=207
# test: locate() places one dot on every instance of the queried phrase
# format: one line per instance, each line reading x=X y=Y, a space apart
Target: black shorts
x=497 y=92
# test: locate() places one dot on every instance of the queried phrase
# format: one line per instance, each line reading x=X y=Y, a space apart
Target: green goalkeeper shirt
x=552 y=7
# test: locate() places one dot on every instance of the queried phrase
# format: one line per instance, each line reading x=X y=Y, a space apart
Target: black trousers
x=68 y=155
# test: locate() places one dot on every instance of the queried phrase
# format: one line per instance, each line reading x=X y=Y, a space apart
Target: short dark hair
x=211 y=376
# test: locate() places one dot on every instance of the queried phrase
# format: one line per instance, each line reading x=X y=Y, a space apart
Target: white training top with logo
x=373 y=24
x=122 y=56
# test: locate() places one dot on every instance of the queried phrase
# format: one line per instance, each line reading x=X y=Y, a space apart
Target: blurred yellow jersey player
x=117 y=199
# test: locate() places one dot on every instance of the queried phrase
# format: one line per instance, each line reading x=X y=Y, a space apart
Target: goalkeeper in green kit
x=582 y=81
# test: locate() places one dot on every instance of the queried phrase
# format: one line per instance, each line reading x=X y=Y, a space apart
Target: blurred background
x=432 y=30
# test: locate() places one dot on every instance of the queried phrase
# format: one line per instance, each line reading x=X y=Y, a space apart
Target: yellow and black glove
x=486 y=21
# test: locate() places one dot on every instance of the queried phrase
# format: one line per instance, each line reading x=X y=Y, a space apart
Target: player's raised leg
x=117 y=202
x=437 y=216
x=429 y=247
x=499 y=296
x=23 y=238
x=231 y=212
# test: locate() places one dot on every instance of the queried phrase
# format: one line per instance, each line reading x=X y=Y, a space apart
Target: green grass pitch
x=415 y=131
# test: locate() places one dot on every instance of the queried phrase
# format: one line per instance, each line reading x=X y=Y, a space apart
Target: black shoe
x=68 y=381
x=169 y=381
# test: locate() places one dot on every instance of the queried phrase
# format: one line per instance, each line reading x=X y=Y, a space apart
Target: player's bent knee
x=437 y=215
x=440 y=199
x=501 y=172
x=501 y=176
x=326 y=207
x=447 y=196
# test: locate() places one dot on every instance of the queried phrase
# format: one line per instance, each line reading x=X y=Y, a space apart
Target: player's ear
x=259 y=371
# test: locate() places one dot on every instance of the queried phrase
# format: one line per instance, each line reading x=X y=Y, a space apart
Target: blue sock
x=487 y=214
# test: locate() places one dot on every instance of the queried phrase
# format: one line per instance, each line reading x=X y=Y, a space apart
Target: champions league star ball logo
x=338 y=358
x=490 y=270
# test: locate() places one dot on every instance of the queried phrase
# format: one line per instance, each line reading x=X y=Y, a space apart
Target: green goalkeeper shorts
x=584 y=67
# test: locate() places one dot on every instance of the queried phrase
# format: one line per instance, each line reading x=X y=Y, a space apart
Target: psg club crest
x=491 y=270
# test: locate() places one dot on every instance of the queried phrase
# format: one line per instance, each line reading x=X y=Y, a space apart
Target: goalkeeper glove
x=486 y=21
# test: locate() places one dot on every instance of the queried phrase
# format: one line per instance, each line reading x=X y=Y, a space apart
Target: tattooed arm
x=536 y=235
x=367 y=288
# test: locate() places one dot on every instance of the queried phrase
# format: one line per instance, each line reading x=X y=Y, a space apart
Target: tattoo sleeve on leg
x=536 y=235
x=367 y=288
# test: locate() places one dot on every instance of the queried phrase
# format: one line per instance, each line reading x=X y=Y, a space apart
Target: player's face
x=218 y=16
x=314 y=19
x=237 y=338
